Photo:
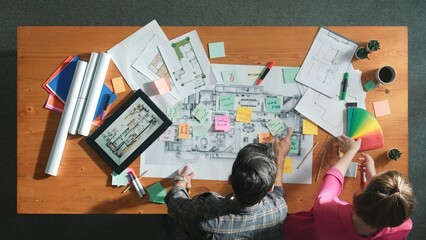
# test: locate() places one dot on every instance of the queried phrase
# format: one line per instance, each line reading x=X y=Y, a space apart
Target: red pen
x=265 y=72
x=363 y=177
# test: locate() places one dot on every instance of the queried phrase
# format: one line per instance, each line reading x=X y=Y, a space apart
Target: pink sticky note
x=221 y=123
x=163 y=85
x=381 y=108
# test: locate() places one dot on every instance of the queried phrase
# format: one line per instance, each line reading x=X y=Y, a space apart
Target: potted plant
x=373 y=45
x=361 y=53
x=394 y=154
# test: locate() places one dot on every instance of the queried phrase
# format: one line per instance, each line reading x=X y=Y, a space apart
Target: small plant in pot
x=361 y=53
x=372 y=45
x=394 y=154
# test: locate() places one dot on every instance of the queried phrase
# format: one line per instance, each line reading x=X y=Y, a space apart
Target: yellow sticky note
x=183 y=131
x=265 y=137
x=309 y=127
x=288 y=165
x=118 y=85
x=244 y=114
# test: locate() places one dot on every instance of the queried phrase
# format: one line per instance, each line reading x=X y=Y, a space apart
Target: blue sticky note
x=217 y=49
x=273 y=104
x=289 y=74
x=61 y=83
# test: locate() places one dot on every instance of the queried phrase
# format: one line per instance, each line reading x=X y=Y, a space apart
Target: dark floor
x=190 y=12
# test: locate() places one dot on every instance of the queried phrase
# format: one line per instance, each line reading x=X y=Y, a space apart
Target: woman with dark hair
x=381 y=211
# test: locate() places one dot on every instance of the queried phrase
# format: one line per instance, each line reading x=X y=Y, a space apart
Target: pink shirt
x=331 y=218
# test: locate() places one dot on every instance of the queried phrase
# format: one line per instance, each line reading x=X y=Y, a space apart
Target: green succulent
x=362 y=53
x=373 y=45
x=394 y=154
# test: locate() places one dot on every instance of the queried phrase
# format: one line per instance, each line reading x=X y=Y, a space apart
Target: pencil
x=307 y=155
x=130 y=185
x=322 y=161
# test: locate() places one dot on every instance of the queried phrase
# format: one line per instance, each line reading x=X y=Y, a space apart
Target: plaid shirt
x=211 y=216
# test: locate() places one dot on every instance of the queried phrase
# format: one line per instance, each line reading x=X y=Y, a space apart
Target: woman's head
x=387 y=200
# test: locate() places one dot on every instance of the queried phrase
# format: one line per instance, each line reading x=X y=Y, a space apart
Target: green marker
x=345 y=86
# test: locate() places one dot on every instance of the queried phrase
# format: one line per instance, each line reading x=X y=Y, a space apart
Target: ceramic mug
x=385 y=75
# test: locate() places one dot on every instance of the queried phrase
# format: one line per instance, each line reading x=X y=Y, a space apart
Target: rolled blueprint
x=88 y=76
x=64 y=124
x=94 y=94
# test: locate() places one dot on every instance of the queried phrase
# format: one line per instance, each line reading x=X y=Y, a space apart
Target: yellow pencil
x=307 y=155
x=130 y=185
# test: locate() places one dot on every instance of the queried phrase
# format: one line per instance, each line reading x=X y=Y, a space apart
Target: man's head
x=253 y=173
x=387 y=200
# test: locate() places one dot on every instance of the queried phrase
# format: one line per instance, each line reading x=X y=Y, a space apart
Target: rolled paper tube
x=64 y=124
x=88 y=76
x=94 y=94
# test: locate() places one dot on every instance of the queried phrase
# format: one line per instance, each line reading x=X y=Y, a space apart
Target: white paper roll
x=94 y=94
x=64 y=124
x=87 y=80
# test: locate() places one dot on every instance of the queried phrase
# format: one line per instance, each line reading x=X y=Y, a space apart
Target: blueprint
x=187 y=63
x=210 y=152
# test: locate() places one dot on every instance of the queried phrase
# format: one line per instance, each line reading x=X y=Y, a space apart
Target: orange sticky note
x=163 y=85
x=266 y=137
x=381 y=108
x=118 y=85
x=244 y=114
x=288 y=165
x=183 y=131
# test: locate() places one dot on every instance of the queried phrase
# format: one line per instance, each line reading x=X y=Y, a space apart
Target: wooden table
x=83 y=182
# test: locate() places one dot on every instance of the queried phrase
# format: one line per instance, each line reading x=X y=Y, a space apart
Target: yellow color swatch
x=288 y=165
x=244 y=114
x=183 y=131
x=309 y=127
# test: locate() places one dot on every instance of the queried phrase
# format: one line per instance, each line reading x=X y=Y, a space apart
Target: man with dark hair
x=255 y=210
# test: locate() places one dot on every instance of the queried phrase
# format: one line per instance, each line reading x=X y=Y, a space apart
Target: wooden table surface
x=83 y=184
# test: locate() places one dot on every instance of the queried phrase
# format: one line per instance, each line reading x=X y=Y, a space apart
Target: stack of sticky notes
x=157 y=193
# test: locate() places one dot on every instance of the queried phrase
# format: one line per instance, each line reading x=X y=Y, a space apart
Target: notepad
x=309 y=127
x=217 y=49
x=288 y=165
x=265 y=137
x=183 y=131
x=118 y=85
x=244 y=114
x=275 y=126
x=381 y=108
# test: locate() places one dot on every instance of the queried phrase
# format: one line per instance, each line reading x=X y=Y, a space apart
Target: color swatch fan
x=361 y=124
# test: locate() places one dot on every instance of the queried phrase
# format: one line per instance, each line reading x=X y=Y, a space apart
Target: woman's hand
x=368 y=163
x=347 y=143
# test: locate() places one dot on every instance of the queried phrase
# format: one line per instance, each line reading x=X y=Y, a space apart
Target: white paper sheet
x=326 y=62
x=125 y=53
x=58 y=146
x=187 y=63
x=330 y=113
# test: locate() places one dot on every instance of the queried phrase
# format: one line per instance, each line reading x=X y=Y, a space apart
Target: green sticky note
x=157 y=193
x=273 y=104
x=200 y=129
x=275 y=126
x=119 y=179
x=289 y=74
x=175 y=111
x=226 y=102
x=369 y=85
x=201 y=112
x=217 y=49
x=294 y=149
x=230 y=77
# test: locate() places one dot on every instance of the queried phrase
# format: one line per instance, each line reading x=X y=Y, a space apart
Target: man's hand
x=188 y=174
x=282 y=147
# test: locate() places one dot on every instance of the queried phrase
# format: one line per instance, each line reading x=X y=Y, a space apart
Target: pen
x=345 y=86
x=105 y=107
x=363 y=177
x=130 y=185
x=132 y=179
x=138 y=183
x=265 y=72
